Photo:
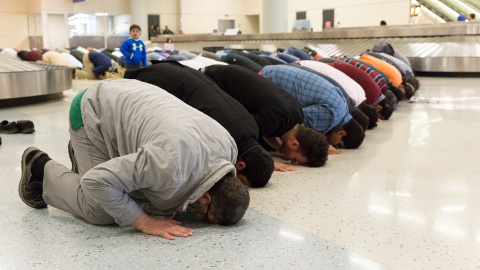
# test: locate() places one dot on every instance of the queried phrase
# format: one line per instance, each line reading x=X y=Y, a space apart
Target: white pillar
x=275 y=16
x=138 y=10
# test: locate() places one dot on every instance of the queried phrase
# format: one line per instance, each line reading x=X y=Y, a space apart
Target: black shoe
x=8 y=127
x=73 y=159
x=29 y=189
x=25 y=126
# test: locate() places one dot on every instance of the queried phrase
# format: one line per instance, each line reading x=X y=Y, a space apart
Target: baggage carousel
x=30 y=82
x=449 y=47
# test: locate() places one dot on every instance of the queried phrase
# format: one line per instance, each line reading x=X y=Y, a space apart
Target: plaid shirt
x=379 y=79
x=324 y=108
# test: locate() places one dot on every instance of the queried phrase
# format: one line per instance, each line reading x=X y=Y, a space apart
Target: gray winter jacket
x=164 y=154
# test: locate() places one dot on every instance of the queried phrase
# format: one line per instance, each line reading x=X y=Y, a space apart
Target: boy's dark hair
x=371 y=112
x=472 y=16
x=259 y=166
x=355 y=134
x=230 y=200
x=134 y=26
x=387 y=107
x=361 y=118
x=313 y=145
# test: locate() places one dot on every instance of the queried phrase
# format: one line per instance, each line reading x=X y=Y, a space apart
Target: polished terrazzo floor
x=408 y=198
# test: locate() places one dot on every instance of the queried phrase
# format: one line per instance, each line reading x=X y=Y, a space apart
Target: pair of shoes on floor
x=23 y=126
x=29 y=188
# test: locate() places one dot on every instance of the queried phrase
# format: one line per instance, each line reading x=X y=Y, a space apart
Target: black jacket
x=236 y=59
x=274 y=109
x=200 y=92
x=257 y=59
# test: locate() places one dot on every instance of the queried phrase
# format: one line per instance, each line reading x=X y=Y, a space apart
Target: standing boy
x=134 y=50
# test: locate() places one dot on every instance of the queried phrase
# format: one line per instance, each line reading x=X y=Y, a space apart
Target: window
x=100 y=24
x=301 y=15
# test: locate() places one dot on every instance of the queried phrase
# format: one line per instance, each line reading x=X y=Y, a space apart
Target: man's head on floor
x=255 y=167
x=349 y=136
x=305 y=146
x=362 y=118
x=371 y=113
x=225 y=203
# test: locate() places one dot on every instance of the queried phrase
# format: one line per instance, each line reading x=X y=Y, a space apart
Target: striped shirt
x=324 y=108
x=379 y=79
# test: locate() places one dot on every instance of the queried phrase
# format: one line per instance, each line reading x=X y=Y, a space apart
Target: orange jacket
x=393 y=74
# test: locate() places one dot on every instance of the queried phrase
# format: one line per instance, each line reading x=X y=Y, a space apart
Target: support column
x=138 y=10
x=275 y=16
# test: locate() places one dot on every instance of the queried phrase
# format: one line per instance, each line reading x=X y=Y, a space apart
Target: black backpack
x=384 y=48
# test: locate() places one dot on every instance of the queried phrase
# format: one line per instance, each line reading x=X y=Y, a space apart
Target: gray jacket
x=164 y=153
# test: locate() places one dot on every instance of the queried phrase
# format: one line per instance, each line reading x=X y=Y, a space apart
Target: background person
x=134 y=50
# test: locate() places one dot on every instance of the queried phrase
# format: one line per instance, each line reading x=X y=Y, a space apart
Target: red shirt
x=372 y=91
x=377 y=77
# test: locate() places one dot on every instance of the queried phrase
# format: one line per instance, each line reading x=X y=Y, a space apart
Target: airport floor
x=408 y=198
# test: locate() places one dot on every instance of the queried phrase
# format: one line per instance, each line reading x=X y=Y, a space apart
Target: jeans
x=134 y=66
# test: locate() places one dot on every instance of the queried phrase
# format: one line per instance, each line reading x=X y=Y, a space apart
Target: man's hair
x=355 y=134
x=472 y=16
x=397 y=92
x=414 y=81
x=362 y=119
x=313 y=145
x=387 y=106
x=382 y=22
x=409 y=91
x=371 y=112
x=259 y=166
x=230 y=199
x=134 y=26
x=390 y=98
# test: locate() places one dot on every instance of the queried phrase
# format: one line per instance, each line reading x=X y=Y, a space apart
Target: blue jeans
x=130 y=66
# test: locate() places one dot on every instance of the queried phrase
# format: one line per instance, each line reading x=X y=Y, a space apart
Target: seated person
x=362 y=119
x=394 y=75
x=56 y=58
x=353 y=89
x=236 y=59
x=254 y=165
x=262 y=61
x=372 y=91
x=136 y=162
x=95 y=65
x=169 y=46
x=299 y=53
x=324 y=106
x=32 y=56
x=277 y=114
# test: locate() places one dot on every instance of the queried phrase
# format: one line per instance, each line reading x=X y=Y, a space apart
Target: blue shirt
x=299 y=53
x=324 y=108
x=134 y=51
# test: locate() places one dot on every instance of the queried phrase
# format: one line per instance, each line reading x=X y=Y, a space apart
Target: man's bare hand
x=283 y=167
x=166 y=228
x=333 y=151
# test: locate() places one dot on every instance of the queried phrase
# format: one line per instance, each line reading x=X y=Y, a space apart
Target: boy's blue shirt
x=134 y=51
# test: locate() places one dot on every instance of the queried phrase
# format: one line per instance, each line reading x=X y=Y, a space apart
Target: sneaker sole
x=26 y=174
x=27 y=130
